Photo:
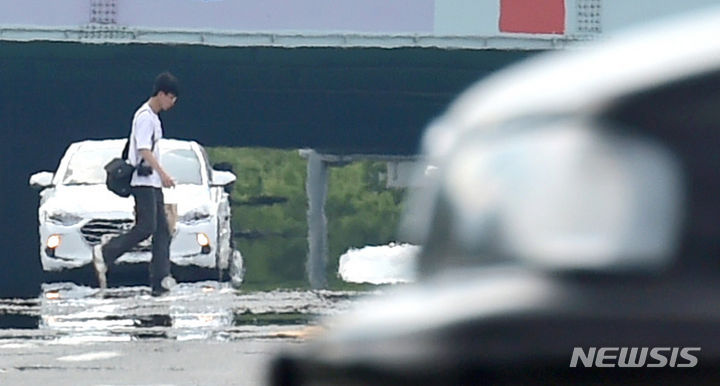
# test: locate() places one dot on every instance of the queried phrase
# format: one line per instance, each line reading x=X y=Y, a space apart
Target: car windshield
x=183 y=165
x=86 y=166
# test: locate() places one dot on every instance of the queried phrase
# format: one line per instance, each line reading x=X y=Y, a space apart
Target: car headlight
x=202 y=239
x=196 y=215
x=53 y=241
x=63 y=218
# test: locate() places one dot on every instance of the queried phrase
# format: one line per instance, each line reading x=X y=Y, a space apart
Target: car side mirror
x=222 y=178
x=41 y=180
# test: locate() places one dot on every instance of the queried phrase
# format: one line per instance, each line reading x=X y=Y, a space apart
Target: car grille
x=95 y=229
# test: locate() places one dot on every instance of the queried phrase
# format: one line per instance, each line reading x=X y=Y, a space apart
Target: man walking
x=146 y=187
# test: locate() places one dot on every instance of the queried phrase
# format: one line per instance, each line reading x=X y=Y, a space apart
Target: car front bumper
x=75 y=248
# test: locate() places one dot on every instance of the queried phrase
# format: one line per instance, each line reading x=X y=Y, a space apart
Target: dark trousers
x=150 y=219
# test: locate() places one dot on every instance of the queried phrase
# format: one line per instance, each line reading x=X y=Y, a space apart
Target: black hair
x=167 y=83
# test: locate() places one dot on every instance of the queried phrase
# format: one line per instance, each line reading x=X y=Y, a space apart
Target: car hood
x=91 y=199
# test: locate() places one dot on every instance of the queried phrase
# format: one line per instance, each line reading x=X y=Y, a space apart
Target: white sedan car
x=76 y=209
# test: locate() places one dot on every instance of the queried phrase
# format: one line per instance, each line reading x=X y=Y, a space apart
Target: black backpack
x=119 y=173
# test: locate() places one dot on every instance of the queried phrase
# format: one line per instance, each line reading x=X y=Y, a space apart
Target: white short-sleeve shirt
x=146 y=129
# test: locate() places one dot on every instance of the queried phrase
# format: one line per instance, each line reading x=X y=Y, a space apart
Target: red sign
x=532 y=16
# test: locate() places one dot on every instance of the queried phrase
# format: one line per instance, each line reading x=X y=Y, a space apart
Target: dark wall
x=340 y=100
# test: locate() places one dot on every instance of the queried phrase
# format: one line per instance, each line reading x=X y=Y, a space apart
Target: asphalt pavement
x=199 y=334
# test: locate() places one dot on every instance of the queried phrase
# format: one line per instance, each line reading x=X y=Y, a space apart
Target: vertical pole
x=316 y=188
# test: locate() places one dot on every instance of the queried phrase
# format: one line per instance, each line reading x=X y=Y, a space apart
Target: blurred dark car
x=570 y=234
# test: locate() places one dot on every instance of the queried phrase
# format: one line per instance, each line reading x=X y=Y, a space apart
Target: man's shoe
x=158 y=291
x=167 y=283
x=100 y=267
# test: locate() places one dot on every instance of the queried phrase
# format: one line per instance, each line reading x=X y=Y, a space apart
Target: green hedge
x=270 y=213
